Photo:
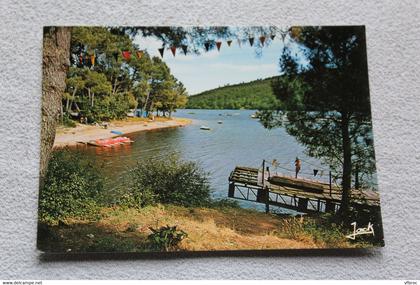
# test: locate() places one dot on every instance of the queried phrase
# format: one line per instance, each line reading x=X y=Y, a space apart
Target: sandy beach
x=84 y=133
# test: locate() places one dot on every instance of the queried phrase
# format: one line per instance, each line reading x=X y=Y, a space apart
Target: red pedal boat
x=110 y=142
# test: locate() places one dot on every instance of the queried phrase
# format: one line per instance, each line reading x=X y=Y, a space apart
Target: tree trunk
x=61 y=113
x=67 y=104
x=356 y=178
x=55 y=64
x=346 y=180
x=114 y=87
x=89 y=97
x=70 y=101
x=146 y=109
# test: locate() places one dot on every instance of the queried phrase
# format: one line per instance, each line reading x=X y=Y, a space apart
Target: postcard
x=179 y=139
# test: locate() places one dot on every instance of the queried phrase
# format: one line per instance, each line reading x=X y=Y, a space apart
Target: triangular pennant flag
x=139 y=54
x=262 y=40
x=207 y=46
x=126 y=54
x=272 y=37
x=218 y=45
x=115 y=54
x=251 y=41
x=161 y=50
x=229 y=42
x=92 y=59
x=315 y=172
x=173 y=50
x=239 y=42
x=184 y=49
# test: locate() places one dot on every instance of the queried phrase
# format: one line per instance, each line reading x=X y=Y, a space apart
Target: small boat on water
x=110 y=142
x=256 y=115
x=205 y=128
x=220 y=122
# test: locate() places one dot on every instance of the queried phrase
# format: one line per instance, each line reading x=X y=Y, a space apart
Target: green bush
x=70 y=186
x=169 y=181
x=67 y=122
x=106 y=108
x=166 y=238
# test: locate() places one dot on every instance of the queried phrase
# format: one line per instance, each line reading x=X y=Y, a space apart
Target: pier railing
x=302 y=195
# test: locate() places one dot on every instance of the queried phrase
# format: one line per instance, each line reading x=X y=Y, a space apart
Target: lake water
x=239 y=140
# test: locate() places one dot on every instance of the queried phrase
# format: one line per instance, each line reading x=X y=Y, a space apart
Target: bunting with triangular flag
x=218 y=45
x=139 y=54
x=173 y=50
x=161 y=50
x=262 y=40
x=315 y=172
x=126 y=54
x=184 y=49
x=207 y=46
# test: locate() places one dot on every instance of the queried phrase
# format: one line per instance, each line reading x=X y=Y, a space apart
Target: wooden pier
x=302 y=195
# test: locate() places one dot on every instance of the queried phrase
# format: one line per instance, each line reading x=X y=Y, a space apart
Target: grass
x=225 y=228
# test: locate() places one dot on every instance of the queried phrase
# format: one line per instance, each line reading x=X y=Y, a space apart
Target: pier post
x=302 y=204
x=263 y=173
x=329 y=207
x=267 y=199
x=231 y=193
x=263 y=196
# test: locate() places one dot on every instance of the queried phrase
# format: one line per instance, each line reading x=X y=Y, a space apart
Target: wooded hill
x=257 y=94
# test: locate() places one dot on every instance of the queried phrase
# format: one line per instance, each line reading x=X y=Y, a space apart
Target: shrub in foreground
x=169 y=181
x=69 y=189
x=166 y=238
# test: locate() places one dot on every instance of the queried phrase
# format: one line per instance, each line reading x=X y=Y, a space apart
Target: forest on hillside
x=257 y=94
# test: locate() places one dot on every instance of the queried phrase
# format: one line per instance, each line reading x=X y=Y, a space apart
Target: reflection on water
x=239 y=140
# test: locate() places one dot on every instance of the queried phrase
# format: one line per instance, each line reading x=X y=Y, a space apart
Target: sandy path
x=85 y=133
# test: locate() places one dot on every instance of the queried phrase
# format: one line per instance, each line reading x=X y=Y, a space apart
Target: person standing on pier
x=297 y=166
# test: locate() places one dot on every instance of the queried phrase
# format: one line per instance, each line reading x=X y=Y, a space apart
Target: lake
x=239 y=140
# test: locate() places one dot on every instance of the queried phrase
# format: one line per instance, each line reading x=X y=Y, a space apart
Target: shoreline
x=66 y=136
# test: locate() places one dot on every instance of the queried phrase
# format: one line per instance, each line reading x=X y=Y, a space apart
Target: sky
x=208 y=70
